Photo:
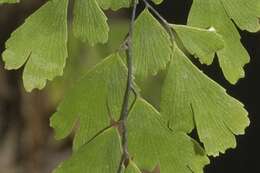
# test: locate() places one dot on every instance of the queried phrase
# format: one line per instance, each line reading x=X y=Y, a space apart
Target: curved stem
x=125 y=106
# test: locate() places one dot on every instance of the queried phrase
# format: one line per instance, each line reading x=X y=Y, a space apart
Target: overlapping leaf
x=114 y=4
x=89 y=23
x=98 y=156
x=245 y=14
x=9 y=1
x=117 y=4
x=40 y=44
x=201 y=43
x=208 y=13
x=150 y=143
x=190 y=99
x=132 y=168
x=93 y=102
x=151 y=45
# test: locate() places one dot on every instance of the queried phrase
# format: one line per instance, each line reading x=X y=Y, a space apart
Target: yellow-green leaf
x=114 y=4
x=245 y=13
x=89 y=22
x=9 y=1
x=132 y=168
x=211 y=13
x=101 y=155
x=191 y=99
x=201 y=43
x=41 y=44
x=94 y=101
x=151 y=45
x=151 y=143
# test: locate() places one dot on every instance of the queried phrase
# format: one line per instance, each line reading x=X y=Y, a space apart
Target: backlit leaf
x=150 y=143
x=246 y=14
x=41 y=44
x=89 y=23
x=151 y=45
x=211 y=13
x=191 y=99
x=201 y=43
x=114 y=4
x=8 y=1
x=117 y=4
x=98 y=156
x=94 y=101
x=132 y=168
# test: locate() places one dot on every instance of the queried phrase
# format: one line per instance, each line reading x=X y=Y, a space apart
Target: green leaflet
x=94 y=101
x=246 y=14
x=117 y=4
x=151 y=45
x=150 y=143
x=190 y=98
x=157 y=1
x=201 y=43
x=9 y=1
x=89 y=22
x=132 y=168
x=208 y=13
x=41 y=44
x=114 y=4
x=102 y=155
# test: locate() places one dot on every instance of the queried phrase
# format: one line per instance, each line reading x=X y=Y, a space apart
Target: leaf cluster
x=190 y=100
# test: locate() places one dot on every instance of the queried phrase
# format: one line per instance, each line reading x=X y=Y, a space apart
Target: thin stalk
x=125 y=106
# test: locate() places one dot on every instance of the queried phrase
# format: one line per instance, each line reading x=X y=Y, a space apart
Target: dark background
x=24 y=116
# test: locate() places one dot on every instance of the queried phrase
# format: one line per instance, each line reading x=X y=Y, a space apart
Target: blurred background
x=26 y=140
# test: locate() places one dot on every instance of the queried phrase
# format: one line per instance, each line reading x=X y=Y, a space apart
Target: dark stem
x=125 y=106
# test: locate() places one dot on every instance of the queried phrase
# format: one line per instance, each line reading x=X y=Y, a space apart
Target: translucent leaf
x=151 y=45
x=206 y=14
x=190 y=98
x=117 y=4
x=102 y=155
x=246 y=14
x=9 y=1
x=41 y=44
x=201 y=43
x=132 y=168
x=157 y=1
x=114 y=4
x=151 y=143
x=94 y=101
x=89 y=23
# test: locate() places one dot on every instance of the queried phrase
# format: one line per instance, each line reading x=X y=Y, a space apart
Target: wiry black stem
x=125 y=106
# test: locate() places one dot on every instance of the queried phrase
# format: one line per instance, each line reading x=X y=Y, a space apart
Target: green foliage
x=40 y=44
x=200 y=43
x=205 y=14
x=149 y=138
x=114 y=4
x=95 y=101
x=132 y=168
x=102 y=155
x=149 y=40
x=190 y=100
x=89 y=22
x=8 y=1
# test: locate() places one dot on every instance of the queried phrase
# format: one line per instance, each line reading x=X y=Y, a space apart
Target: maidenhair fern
x=118 y=131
